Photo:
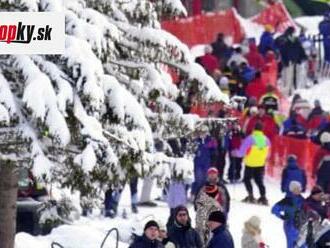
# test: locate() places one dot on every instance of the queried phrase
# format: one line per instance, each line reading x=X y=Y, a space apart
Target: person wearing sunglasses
x=181 y=233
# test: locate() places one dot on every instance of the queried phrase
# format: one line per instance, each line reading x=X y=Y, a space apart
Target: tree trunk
x=8 y=197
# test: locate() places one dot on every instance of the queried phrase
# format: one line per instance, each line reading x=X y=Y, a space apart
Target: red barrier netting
x=277 y=15
x=282 y=146
x=203 y=29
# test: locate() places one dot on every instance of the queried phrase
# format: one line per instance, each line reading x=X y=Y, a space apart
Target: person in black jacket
x=221 y=50
x=149 y=239
x=181 y=233
x=221 y=236
x=292 y=55
x=317 y=202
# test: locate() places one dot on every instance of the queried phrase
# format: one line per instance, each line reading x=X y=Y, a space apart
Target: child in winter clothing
x=251 y=234
x=163 y=236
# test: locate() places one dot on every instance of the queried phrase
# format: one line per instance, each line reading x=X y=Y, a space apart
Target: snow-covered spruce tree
x=90 y=116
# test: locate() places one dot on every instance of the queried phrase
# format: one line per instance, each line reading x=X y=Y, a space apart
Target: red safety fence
x=203 y=29
x=282 y=146
x=276 y=15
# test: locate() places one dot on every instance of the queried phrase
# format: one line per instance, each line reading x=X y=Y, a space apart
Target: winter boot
x=110 y=213
x=263 y=201
x=124 y=214
x=249 y=199
x=147 y=204
x=134 y=209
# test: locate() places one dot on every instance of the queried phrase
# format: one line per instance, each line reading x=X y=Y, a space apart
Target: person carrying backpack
x=290 y=210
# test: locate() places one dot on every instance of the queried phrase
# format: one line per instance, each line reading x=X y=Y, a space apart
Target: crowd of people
x=239 y=71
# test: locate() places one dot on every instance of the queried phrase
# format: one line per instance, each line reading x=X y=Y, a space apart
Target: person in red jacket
x=209 y=61
x=256 y=88
x=197 y=7
x=270 y=128
x=254 y=58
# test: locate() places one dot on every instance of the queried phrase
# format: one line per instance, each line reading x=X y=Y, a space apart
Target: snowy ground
x=89 y=232
x=320 y=91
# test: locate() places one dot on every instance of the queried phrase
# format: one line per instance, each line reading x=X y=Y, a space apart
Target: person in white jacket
x=251 y=237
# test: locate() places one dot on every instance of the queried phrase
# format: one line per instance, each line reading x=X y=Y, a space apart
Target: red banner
x=203 y=29
x=276 y=15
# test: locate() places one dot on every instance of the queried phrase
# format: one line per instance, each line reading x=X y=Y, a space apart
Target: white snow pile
x=318 y=92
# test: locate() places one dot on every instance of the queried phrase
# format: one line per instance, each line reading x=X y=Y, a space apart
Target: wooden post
x=13 y=149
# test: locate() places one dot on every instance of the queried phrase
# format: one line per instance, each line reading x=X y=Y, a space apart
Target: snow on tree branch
x=6 y=98
x=39 y=97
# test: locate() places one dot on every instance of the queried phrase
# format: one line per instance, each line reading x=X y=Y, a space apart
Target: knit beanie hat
x=291 y=158
x=151 y=223
x=161 y=225
x=254 y=221
x=252 y=226
x=294 y=185
x=179 y=209
x=325 y=137
x=218 y=216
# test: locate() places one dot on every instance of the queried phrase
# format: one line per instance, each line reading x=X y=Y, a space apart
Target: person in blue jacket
x=324 y=28
x=292 y=172
x=290 y=210
x=267 y=40
x=247 y=73
x=293 y=128
x=206 y=147
x=221 y=236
